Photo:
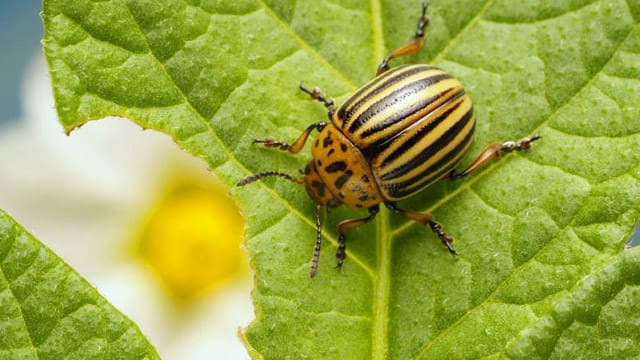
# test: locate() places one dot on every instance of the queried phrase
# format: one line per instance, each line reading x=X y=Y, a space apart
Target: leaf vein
x=544 y=19
x=453 y=42
x=304 y=45
x=487 y=204
x=487 y=299
x=21 y=313
x=315 y=313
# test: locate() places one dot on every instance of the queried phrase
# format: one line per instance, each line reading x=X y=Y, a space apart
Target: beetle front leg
x=348 y=225
x=424 y=220
x=493 y=152
x=297 y=145
x=411 y=47
x=316 y=94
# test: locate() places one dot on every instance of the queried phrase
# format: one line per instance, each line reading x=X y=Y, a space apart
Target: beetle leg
x=297 y=145
x=316 y=94
x=492 y=152
x=411 y=47
x=426 y=219
x=348 y=225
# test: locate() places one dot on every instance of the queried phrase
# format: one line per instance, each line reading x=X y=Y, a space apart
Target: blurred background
x=144 y=222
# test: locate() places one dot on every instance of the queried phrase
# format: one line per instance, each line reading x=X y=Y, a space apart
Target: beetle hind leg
x=426 y=219
x=411 y=47
x=492 y=152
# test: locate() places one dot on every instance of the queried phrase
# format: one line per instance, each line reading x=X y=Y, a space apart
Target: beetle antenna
x=316 y=251
x=257 y=176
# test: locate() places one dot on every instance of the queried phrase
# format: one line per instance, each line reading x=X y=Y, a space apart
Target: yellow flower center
x=193 y=239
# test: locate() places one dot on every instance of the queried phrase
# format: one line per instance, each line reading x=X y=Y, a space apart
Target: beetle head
x=317 y=189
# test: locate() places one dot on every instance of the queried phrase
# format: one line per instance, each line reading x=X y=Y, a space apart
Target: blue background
x=20 y=35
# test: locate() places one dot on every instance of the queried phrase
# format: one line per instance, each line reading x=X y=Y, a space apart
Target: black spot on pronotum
x=307 y=170
x=317 y=143
x=326 y=142
x=364 y=197
x=343 y=147
x=319 y=186
x=336 y=166
x=365 y=178
x=343 y=179
x=331 y=151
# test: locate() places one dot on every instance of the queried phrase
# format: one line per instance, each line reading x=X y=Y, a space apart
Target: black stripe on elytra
x=336 y=166
x=397 y=192
x=400 y=116
x=343 y=179
x=432 y=173
x=432 y=149
x=400 y=94
x=409 y=143
x=380 y=144
x=381 y=83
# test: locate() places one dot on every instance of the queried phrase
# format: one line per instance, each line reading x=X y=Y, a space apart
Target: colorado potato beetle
x=394 y=136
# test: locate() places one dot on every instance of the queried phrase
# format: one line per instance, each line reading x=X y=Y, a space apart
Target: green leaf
x=541 y=271
x=47 y=311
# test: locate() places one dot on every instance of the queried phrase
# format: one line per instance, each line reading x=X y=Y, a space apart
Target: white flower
x=92 y=197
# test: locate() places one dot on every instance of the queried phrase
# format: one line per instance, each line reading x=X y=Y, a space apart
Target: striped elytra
x=414 y=123
x=406 y=128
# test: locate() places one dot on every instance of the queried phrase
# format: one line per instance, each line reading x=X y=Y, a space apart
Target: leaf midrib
x=381 y=278
x=382 y=282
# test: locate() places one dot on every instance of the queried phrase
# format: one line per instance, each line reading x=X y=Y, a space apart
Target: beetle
x=394 y=136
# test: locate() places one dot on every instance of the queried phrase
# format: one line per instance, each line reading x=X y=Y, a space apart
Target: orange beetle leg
x=492 y=152
x=426 y=219
x=409 y=48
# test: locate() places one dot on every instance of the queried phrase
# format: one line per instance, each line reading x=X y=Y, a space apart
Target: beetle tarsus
x=268 y=142
x=316 y=94
x=411 y=47
x=523 y=144
x=446 y=240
